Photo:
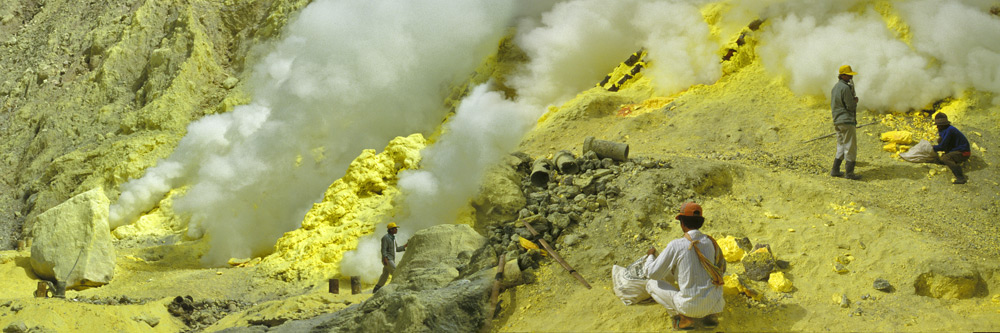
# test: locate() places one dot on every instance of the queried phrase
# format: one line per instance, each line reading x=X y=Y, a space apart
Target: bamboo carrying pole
x=832 y=134
x=495 y=294
x=556 y=256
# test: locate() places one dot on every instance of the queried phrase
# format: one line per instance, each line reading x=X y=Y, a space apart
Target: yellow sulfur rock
x=891 y=147
x=779 y=282
x=897 y=137
x=527 y=244
x=732 y=286
x=730 y=249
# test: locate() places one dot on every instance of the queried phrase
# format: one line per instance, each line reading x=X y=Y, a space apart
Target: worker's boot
x=959 y=176
x=835 y=171
x=850 y=171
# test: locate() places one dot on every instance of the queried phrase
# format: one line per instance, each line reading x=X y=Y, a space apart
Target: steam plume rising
x=944 y=58
x=485 y=128
x=576 y=43
x=348 y=75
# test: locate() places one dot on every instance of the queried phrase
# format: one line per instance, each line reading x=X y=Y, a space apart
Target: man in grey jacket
x=844 y=103
x=389 y=250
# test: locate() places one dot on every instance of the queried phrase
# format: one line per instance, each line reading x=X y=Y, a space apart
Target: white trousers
x=663 y=293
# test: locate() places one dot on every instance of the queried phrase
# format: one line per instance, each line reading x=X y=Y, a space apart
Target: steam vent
x=499 y=166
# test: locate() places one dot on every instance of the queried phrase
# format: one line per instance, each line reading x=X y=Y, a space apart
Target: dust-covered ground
x=737 y=148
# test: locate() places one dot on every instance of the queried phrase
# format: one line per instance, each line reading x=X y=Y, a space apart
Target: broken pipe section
x=606 y=149
x=540 y=172
x=566 y=162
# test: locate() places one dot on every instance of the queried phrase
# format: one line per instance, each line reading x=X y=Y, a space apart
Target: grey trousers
x=386 y=271
x=847 y=142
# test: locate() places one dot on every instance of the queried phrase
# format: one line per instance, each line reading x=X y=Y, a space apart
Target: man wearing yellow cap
x=389 y=250
x=844 y=103
x=696 y=262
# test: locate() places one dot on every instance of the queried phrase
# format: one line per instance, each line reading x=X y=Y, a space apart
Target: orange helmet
x=689 y=208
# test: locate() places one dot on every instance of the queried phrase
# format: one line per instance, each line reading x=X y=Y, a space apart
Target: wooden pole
x=355 y=285
x=556 y=256
x=334 y=286
x=491 y=311
x=832 y=134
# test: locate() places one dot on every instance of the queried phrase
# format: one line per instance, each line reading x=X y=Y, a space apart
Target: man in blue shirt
x=954 y=145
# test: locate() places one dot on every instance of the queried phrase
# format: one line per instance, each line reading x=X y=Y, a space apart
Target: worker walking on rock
x=696 y=262
x=844 y=103
x=954 y=145
x=389 y=250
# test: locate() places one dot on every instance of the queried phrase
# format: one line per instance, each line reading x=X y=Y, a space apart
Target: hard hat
x=846 y=69
x=689 y=209
x=391 y=225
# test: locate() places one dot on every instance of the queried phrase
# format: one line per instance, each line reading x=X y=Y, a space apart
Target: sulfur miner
x=388 y=250
x=954 y=145
x=844 y=105
x=699 y=279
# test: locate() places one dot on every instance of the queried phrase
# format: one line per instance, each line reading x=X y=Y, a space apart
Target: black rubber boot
x=959 y=176
x=835 y=171
x=850 y=172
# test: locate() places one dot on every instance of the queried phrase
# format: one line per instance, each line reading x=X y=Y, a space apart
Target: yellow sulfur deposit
x=730 y=249
x=160 y=221
x=350 y=209
x=779 y=282
x=732 y=286
x=898 y=137
x=527 y=244
x=847 y=210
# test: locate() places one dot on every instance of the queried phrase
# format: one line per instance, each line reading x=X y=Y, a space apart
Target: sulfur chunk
x=898 y=137
x=730 y=249
x=779 y=282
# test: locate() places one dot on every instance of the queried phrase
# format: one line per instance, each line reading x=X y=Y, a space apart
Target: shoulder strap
x=715 y=270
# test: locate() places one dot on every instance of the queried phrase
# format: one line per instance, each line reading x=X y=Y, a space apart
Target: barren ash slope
x=251 y=150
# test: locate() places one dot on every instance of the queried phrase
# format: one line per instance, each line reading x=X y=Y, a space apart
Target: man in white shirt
x=696 y=263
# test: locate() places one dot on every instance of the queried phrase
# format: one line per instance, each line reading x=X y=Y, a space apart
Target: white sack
x=630 y=283
x=922 y=152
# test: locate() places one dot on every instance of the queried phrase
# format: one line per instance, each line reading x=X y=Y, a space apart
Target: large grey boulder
x=442 y=284
x=432 y=256
x=60 y=233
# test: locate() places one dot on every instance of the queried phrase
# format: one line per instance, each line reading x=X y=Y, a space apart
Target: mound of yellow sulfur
x=350 y=209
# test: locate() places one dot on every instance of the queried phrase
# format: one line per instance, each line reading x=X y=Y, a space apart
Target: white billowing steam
x=353 y=74
x=348 y=75
x=485 y=128
x=579 y=42
x=954 y=48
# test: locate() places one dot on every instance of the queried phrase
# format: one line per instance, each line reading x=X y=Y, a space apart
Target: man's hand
x=652 y=251
x=385 y=262
x=404 y=245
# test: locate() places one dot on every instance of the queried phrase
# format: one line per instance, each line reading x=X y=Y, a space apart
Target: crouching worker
x=954 y=145
x=696 y=263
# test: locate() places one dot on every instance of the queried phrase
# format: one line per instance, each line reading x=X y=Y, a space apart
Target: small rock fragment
x=882 y=284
